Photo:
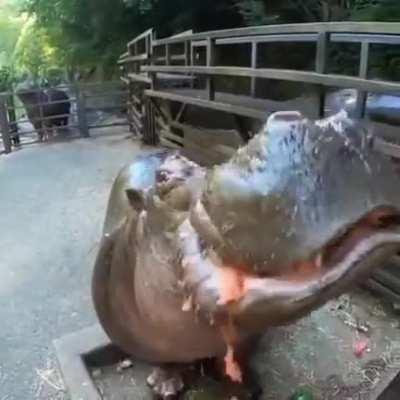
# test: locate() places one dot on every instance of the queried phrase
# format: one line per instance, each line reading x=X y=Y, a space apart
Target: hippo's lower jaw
x=257 y=302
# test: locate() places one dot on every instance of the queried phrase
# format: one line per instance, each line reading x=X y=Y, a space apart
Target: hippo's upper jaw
x=300 y=214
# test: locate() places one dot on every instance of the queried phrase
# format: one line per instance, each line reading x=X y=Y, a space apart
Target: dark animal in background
x=40 y=108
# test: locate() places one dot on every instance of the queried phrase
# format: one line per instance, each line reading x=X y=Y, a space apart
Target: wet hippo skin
x=194 y=263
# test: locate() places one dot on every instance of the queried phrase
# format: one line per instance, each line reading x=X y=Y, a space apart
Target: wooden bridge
x=169 y=77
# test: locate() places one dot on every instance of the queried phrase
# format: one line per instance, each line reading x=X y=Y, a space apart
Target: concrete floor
x=52 y=205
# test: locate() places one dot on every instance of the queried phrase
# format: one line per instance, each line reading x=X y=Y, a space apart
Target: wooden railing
x=184 y=64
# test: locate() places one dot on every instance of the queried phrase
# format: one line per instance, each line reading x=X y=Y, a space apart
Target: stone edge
x=71 y=351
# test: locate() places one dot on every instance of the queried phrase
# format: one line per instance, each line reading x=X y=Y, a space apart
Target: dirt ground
x=52 y=205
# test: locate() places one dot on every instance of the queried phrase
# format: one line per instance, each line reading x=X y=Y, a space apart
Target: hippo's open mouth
x=377 y=224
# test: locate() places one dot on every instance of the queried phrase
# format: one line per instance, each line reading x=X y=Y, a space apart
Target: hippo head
x=304 y=210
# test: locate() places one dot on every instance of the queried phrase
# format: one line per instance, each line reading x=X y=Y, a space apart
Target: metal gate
x=41 y=111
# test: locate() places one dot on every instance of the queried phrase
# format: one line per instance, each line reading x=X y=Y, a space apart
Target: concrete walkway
x=52 y=205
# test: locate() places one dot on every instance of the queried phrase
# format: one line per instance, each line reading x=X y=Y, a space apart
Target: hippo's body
x=194 y=262
x=130 y=265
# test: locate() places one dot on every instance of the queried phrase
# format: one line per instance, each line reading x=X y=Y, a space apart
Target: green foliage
x=85 y=35
x=10 y=27
x=5 y=78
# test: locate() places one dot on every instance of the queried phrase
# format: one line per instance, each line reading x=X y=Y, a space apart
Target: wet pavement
x=52 y=205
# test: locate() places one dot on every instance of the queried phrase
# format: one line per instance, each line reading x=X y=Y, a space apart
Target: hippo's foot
x=166 y=382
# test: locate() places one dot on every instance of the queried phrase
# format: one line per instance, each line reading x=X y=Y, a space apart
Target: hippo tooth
x=188 y=304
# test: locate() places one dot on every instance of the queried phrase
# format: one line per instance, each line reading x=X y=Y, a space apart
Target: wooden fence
x=79 y=96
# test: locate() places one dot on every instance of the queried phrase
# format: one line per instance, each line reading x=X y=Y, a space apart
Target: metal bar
x=254 y=62
x=361 y=103
x=4 y=127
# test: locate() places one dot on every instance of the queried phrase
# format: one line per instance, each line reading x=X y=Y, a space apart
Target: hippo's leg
x=166 y=381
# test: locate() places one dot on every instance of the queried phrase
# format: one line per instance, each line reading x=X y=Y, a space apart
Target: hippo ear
x=136 y=199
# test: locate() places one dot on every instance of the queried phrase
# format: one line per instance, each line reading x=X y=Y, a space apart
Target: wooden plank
x=187 y=54
x=178 y=57
x=137 y=114
x=224 y=107
x=181 y=113
x=306 y=37
x=81 y=111
x=361 y=102
x=254 y=62
x=332 y=27
x=141 y=36
x=139 y=57
x=321 y=59
x=139 y=78
x=135 y=99
x=169 y=135
x=372 y=39
x=167 y=143
x=286 y=74
x=162 y=59
x=199 y=43
x=4 y=127
x=389 y=149
x=125 y=80
x=167 y=54
x=211 y=60
x=138 y=123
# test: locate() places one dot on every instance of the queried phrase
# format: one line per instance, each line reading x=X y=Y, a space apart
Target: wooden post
x=167 y=54
x=362 y=96
x=254 y=59
x=320 y=67
x=211 y=61
x=4 y=126
x=81 y=111
x=12 y=116
x=187 y=54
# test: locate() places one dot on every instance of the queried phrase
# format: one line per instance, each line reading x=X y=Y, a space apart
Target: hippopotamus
x=39 y=108
x=195 y=263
